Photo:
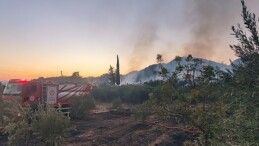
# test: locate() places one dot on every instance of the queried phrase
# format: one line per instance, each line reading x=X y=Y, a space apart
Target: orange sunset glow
x=43 y=38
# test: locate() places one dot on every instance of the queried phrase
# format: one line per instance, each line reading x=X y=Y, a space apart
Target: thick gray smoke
x=210 y=20
x=207 y=23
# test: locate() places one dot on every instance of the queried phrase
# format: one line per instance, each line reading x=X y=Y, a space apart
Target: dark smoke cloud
x=210 y=20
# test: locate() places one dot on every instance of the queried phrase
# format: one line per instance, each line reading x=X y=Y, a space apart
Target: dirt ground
x=119 y=128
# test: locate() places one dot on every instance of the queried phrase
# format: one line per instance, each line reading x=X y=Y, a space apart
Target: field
x=116 y=128
x=119 y=128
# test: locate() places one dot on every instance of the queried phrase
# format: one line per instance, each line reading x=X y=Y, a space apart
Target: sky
x=41 y=38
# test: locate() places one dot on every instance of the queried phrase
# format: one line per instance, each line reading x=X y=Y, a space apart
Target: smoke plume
x=146 y=33
x=144 y=42
x=210 y=20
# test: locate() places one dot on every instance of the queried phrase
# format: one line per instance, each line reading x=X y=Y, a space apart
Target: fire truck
x=50 y=93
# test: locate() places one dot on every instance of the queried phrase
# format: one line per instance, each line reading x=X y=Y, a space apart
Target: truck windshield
x=13 y=89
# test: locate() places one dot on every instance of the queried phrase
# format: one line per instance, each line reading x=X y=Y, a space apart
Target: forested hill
x=147 y=74
x=135 y=77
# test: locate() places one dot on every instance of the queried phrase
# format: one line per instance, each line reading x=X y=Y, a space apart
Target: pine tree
x=242 y=125
x=163 y=72
x=117 y=78
x=247 y=48
x=248 y=45
x=111 y=76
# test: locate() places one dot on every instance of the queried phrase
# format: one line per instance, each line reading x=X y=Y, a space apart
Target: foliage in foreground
x=17 y=121
x=49 y=125
x=1 y=89
x=220 y=107
x=81 y=107
x=45 y=126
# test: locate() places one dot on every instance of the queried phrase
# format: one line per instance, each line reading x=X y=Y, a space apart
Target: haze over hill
x=135 y=77
x=147 y=74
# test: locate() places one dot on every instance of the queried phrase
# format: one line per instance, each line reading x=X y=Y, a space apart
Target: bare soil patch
x=119 y=128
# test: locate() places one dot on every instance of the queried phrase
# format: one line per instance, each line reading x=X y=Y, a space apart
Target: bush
x=16 y=122
x=27 y=127
x=131 y=94
x=81 y=107
x=1 y=90
x=50 y=125
x=142 y=113
x=105 y=93
x=116 y=104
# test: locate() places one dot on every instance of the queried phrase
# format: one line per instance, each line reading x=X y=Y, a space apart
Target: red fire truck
x=35 y=92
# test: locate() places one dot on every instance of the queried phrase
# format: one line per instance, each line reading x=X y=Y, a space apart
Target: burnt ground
x=119 y=128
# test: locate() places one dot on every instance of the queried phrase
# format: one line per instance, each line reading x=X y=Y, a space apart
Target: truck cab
x=13 y=89
x=22 y=90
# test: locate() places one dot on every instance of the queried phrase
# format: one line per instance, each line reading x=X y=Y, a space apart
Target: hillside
x=134 y=77
x=147 y=73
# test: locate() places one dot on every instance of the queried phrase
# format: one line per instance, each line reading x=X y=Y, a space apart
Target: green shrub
x=133 y=94
x=81 y=106
x=142 y=113
x=130 y=94
x=116 y=104
x=1 y=90
x=105 y=93
x=2 y=106
x=16 y=121
x=49 y=125
x=27 y=127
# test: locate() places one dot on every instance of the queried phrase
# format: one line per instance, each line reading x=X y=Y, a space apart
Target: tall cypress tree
x=118 y=72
